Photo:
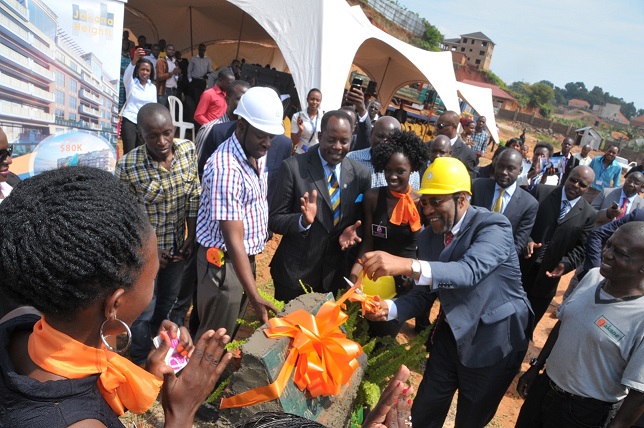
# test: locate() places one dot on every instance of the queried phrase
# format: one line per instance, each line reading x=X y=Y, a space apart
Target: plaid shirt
x=233 y=190
x=480 y=141
x=169 y=197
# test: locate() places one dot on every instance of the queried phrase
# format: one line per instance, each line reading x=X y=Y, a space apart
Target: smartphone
x=614 y=205
x=356 y=83
x=371 y=87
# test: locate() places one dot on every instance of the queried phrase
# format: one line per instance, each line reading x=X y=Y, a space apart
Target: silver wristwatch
x=415 y=267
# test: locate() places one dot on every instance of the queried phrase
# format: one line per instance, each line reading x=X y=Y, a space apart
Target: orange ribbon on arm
x=321 y=355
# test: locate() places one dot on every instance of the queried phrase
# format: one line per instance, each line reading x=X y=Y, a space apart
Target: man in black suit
x=558 y=239
x=317 y=212
x=501 y=194
x=568 y=161
x=447 y=124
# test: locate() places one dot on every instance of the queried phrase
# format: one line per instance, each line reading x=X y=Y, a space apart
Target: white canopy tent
x=318 y=40
x=481 y=100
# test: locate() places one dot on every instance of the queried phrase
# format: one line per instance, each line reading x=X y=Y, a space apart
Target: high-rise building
x=476 y=47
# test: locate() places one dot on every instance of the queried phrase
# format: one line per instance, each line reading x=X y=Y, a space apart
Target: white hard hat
x=262 y=109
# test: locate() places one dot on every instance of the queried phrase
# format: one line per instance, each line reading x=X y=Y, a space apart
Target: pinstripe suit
x=313 y=256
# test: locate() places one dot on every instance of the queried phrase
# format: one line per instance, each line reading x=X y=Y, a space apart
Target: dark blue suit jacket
x=521 y=210
x=478 y=283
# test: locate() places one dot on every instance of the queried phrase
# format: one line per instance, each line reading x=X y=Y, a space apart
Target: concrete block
x=262 y=360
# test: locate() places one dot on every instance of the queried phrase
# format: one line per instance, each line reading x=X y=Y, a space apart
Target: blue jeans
x=166 y=290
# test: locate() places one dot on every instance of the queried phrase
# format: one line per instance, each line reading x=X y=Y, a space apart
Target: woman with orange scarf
x=76 y=246
x=390 y=218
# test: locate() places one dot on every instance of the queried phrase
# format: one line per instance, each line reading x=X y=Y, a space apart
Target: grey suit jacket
x=521 y=210
x=314 y=256
x=604 y=199
x=466 y=155
x=478 y=283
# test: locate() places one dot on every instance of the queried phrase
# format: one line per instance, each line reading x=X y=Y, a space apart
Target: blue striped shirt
x=232 y=190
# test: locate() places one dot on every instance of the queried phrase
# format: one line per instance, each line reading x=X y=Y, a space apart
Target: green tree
x=430 y=39
x=628 y=110
x=576 y=90
x=596 y=96
x=540 y=95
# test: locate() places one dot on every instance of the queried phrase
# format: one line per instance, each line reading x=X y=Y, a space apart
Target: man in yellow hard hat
x=466 y=258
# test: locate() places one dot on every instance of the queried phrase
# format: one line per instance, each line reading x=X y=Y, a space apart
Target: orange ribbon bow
x=323 y=358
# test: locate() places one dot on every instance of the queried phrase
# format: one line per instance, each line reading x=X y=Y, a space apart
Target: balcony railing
x=87 y=95
x=18 y=8
x=12 y=84
x=89 y=111
x=19 y=111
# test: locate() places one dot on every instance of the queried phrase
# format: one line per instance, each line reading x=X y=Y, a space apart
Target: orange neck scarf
x=405 y=211
x=123 y=384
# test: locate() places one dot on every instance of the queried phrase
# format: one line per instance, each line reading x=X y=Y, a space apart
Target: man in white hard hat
x=233 y=215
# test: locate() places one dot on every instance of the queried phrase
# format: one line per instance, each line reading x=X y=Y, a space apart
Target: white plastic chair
x=176 y=110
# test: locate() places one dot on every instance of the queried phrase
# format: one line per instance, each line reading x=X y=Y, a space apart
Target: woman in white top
x=305 y=124
x=139 y=90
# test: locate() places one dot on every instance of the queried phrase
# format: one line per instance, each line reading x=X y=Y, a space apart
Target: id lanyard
x=315 y=127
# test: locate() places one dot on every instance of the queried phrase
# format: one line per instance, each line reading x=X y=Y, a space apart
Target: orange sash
x=405 y=211
x=321 y=355
x=123 y=384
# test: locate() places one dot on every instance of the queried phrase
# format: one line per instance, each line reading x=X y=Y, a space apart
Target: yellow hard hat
x=445 y=176
x=385 y=286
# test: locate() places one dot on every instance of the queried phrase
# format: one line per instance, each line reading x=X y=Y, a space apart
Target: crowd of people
x=352 y=195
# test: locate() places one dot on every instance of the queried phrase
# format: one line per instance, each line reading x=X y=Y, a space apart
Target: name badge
x=598 y=182
x=379 y=231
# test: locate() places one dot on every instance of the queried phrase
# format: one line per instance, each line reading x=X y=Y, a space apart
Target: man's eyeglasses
x=6 y=153
x=577 y=182
x=443 y=125
x=433 y=201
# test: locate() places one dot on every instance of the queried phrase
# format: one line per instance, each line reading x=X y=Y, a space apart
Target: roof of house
x=479 y=36
x=638 y=119
x=578 y=101
x=451 y=40
x=496 y=90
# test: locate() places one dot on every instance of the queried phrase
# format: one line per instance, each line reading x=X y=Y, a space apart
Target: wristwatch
x=415 y=267
x=534 y=361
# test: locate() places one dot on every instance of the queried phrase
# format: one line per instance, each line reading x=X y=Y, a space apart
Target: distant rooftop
x=496 y=90
x=451 y=40
x=479 y=36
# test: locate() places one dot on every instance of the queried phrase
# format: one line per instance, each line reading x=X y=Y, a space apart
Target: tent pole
x=385 y=72
x=192 y=51
x=241 y=26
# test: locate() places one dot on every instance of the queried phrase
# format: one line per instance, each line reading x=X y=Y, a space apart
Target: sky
x=598 y=42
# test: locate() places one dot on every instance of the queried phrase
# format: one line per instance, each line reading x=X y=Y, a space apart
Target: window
x=478 y=61
x=464 y=39
x=60 y=79
x=74 y=66
x=73 y=85
x=484 y=44
x=72 y=116
x=59 y=113
x=60 y=97
x=482 y=53
x=470 y=50
x=462 y=49
x=72 y=102
x=472 y=41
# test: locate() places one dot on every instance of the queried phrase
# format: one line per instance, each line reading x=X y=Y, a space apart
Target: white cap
x=262 y=109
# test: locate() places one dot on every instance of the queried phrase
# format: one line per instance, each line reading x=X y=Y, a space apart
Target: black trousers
x=545 y=407
x=130 y=136
x=480 y=390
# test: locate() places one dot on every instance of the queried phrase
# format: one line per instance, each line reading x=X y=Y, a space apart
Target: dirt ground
x=510 y=405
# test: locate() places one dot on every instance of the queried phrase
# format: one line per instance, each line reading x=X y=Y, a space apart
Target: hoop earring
x=127 y=330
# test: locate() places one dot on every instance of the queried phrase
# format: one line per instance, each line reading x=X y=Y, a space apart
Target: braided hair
x=405 y=142
x=69 y=237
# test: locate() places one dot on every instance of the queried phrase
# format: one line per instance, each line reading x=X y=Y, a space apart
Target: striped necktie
x=334 y=194
x=498 y=204
x=564 y=209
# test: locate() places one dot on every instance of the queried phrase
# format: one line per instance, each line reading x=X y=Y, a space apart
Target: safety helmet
x=262 y=109
x=445 y=176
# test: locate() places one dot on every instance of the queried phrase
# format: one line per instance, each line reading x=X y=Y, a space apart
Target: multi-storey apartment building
x=476 y=47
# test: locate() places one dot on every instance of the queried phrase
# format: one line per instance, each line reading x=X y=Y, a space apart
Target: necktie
x=564 y=209
x=499 y=202
x=447 y=238
x=623 y=208
x=334 y=194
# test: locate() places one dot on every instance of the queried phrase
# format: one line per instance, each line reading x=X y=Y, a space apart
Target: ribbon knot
x=321 y=356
